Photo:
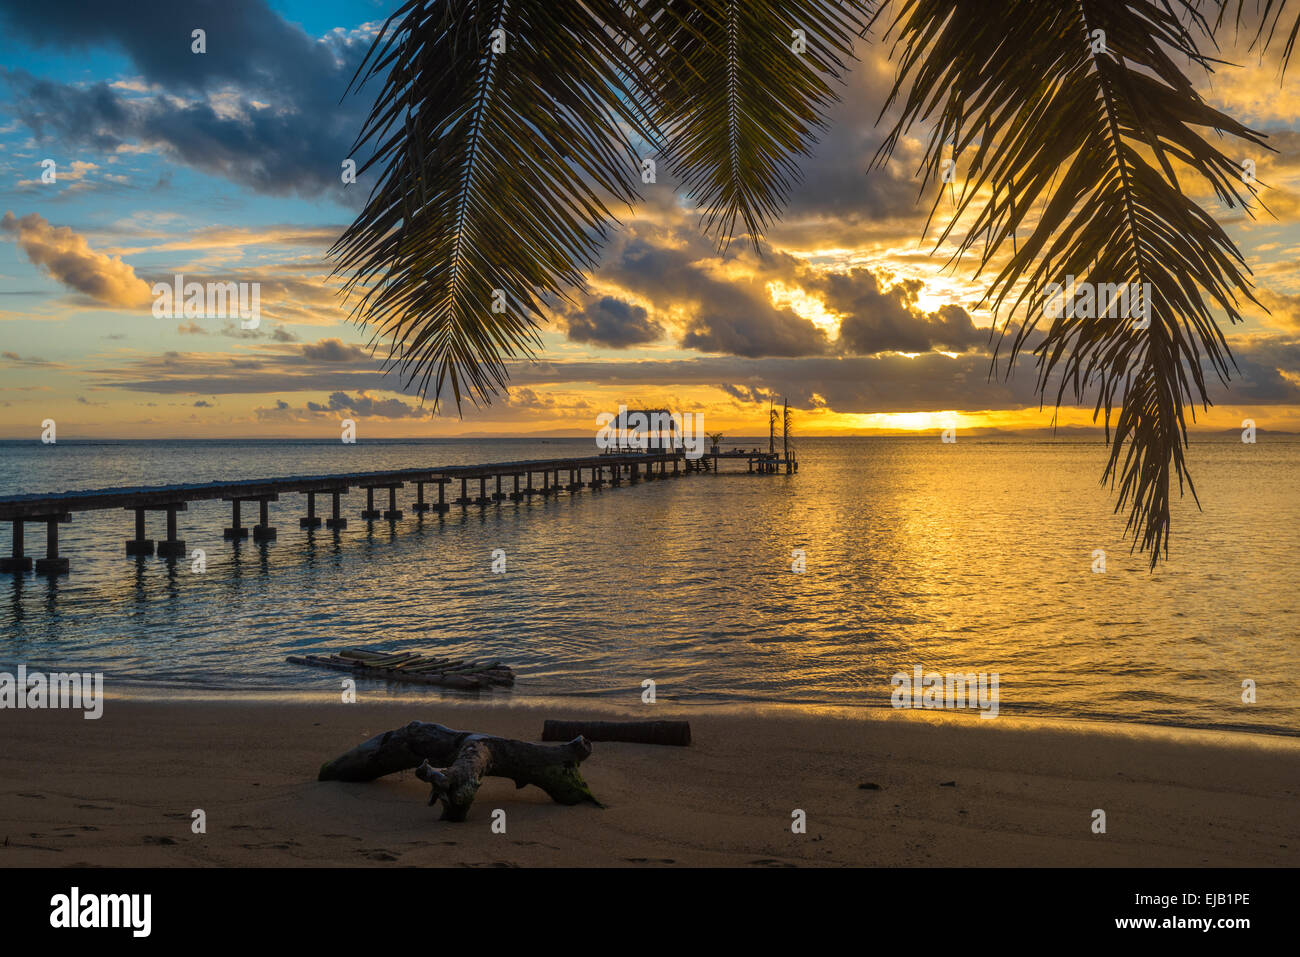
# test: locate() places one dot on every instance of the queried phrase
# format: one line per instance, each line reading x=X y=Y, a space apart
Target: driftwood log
x=635 y=732
x=454 y=763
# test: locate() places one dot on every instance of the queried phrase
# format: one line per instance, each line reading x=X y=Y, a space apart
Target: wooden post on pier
x=262 y=531
x=235 y=532
x=336 y=521
x=785 y=435
x=172 y=547
x=370 y=513
x=19 y=562
x=139 y=545
x=393 y=513
x=52 y=564
x=310 y=520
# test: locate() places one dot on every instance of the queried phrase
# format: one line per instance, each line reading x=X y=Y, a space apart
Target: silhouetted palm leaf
x=1268 y=16
x=494 y=172
x=739 y=105
x=1094 y=138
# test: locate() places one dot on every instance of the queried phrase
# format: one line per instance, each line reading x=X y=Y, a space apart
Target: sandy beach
x=120 y=791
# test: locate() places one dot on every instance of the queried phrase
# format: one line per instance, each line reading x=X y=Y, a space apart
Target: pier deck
x=538 y=477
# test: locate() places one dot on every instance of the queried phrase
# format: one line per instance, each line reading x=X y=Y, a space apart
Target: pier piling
x=139 y=545
x=336 y=521
x=236 y=531
x=52 y=563
x=262 y=531
x=310 y=520
x=172 y=547
x=19 y=562
x=393 y=513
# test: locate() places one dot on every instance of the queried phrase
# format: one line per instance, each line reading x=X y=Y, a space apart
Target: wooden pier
x=472 y=485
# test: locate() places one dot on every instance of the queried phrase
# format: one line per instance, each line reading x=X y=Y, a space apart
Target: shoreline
x=149 y=693
x=120 y=791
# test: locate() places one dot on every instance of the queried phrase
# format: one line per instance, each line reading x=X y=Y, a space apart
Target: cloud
x=1284 y=310
x=16 y=359
x=261 y=107
x=363 y=405
x=334 y=350
x=724 y=303
x=883 y=319
x=612 y=322
x=68 y=258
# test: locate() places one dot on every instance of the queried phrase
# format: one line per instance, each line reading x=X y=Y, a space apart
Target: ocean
x=975 y=556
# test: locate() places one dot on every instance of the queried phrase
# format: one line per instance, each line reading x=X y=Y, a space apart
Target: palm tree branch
x=738 y=104
x=1095 y=142
x=495 y=170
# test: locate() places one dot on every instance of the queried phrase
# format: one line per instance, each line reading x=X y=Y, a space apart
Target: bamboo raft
x=412 y=667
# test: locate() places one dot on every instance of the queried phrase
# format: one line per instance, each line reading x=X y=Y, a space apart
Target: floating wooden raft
x=412 y=667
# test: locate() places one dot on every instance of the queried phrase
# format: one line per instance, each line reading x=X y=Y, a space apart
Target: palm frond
x=738 y=104
x=1093 y=142
x=495 y=166
x=1268 y=16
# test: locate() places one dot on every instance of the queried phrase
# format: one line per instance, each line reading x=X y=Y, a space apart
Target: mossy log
x=454 y=763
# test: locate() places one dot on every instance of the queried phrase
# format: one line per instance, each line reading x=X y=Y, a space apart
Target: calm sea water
x=975 y=556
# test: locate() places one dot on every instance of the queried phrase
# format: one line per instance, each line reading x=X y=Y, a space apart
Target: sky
x=225 y=167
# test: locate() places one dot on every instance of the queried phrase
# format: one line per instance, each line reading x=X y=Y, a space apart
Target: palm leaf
x=738 y=104
x=1092 y=141
x=494 y=170
x=1271 y=14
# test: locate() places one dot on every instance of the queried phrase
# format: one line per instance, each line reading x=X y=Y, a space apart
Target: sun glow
x=803 y=305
